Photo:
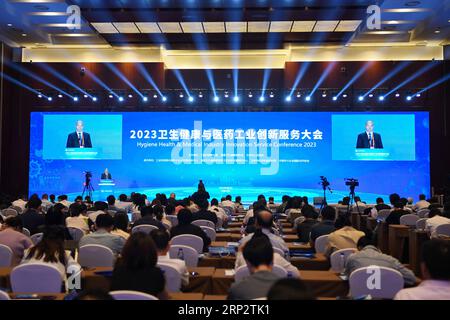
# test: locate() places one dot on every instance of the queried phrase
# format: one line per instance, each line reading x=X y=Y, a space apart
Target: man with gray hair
x=79 y=138
x=369 y=139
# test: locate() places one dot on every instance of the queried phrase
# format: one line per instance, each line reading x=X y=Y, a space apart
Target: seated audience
x=219 y=211
x=63 y=199
x=264 y=221
x=435 y=219
x=378 y=207
x=136 y=269
x=123 y=203
x=324 y=227
x=11 y=236
x=344 y=237
x=21 y=202
x=370 y=255
x=50 y=250
x=271 y=204
x=32 y=218
x=100 y=207
x=111 y=200
x=160 y=216
x=304 y=228
x=258 y=254
x=186 y=227
x=56 y=217
x=104 y=224
x=435 y=268
x=162 y=243
x=284 y=202
x=148 y=218
x=228 y=202
x=78 y=217
x=238 y=204
x=294 y=209
x=203 y=213
x=121 y=224
x=290 y=289
x=359 y=205
x=394 y=216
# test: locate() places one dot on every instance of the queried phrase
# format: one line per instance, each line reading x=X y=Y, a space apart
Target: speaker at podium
x=106 y=183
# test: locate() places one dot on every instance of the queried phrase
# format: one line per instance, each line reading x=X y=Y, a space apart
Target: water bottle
x=180 y=254
x=342 y=263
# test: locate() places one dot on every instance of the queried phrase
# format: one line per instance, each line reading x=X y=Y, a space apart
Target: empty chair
x=173 y=219
x=243 y=272
x=26 y=232
x=36 y=238
x=188 y=254
x=443 y=230
x=6 y=255
x=321 y=243
x=409 y=220
x=210 y=232
x=423 y=213
x=36 y=277
x=390 y=282
x=204 y=223
x=338 y=259
x=145 y=228
x=421 y=224
x=76 y=233
x=9 y=212
x=4 y=296
x=383 y=214
x=172 y=276
x=95 y=255
x=189 y=240
x=131 y=295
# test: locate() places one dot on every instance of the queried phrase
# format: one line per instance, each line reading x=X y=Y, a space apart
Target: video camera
x=87 y=177
x=324 y=182
x=352 y=182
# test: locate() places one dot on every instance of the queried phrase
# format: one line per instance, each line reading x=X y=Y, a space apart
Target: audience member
x=344 y=237
x=32 y=219
x=203 y=213
x=326 y=226
x=148 y=218
x=186 y=227
x=11 y=236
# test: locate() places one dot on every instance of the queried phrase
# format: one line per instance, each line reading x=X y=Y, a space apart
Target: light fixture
x=299 y=95
x=418 y=95
x=344 y=95
x=49 y=98
x=360 y=98
x=335 y=98
x=371 y=95
x=121 y=99
x=191 y=99
x=60 y=95
x=164 y=98
x=181 y=95
x=261 y=99
x=145 y=99
x=236 y=98
x=130 y=96
x=271 y=95
x=85 y=96
x=324 y=94
x=288 y=98
x=216 y=99
x=381 y=98
x=409 y=98
x=24 y=34
x=397 y=95
x=226 y=94
x=75 y=99
x=200 y=95
x=155 y=96
x=9 y=24
x=94 y=99
x=111 y=96
x=250 y=95
x=39 y=96
x=308 y=98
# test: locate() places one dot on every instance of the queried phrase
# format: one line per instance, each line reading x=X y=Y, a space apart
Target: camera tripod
x=352 y=200
x=88 y=188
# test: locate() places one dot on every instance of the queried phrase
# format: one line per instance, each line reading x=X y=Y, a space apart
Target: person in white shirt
x=46 y=204
x=100 y=207
x=421 y=204
x=277 y=259
x=228 y=203
x=238 y=204
x=123 y=203
x=78 y=217
x=50 y=250
x=21 y=202
x=220 y=212
x=435 y=267
x=162 y=243
x=63 y=200
x=435 y=219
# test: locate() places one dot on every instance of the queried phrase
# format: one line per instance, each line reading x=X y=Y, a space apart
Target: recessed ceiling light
x=437 y=31
x=24 y=34
x=10 y=24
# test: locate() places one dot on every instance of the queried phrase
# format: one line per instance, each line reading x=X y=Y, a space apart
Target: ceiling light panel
x=325 y=26
x=280 y=26
x=148 y=27
x=126 y=27
x=236 y=26
x=347 y=25
x=192 y=27
x=258 y=26
x=104 y=27
x=170 y=27
x=303 y=26
x=214 y=27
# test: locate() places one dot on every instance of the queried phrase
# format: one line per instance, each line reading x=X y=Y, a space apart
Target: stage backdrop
x=231 y=152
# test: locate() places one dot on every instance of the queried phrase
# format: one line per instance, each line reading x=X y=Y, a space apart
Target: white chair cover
x=95 y=255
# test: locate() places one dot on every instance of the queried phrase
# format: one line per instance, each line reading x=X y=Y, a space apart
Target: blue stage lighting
x=409 y=98
x=164 y=98
x=381 y=98
x=261 y=99
x=335 y=98
x=191 y=99
x=288 y=99
x=145 y=99
x=75 y=99
x=94 y=99
x=216 y=99
x=121 y=99
x=308 y=98
x=236 y=99
x=361 y=98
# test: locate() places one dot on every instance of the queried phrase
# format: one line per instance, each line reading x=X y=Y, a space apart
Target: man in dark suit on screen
x=106 y=175
x=79 y=138
x=369 y=139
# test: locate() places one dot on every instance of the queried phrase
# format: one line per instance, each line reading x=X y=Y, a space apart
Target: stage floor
x=248 y=194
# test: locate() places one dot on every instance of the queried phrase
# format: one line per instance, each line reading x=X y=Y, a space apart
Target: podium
x=371 y=154
x=106 y=186
x=81 y=153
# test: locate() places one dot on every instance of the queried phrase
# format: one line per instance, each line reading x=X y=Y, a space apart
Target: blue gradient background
x=378 y=177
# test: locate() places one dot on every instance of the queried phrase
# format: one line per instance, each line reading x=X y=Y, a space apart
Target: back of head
x=100 y=206
x=160 y=238
x=214 y=202
x=434 y=212
x=342 y=221
x=398 y=205
x=228 y=197
x=139 y=252
x=51 y=246
x=34 y=203
x=310 y=213
x=264 y=219
x=258 y=250
x=261 y=197
x=422 y=197
x=238 y=199
x=54 y=217
x=202 y=204
x=357 y=199
x=104 y=221
x=436 y=259
x=328 y=213
x=146 y=211
x=345 y=201
x=169 y=209
x=184 y=216
x=14 y=222
x=76 y=209
x=380 y=200
x=158 y=211
x=121 y=221
x=290 y=289
x=364 y=242
x=123 y=197
x=393 y=198
x=111 y=200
